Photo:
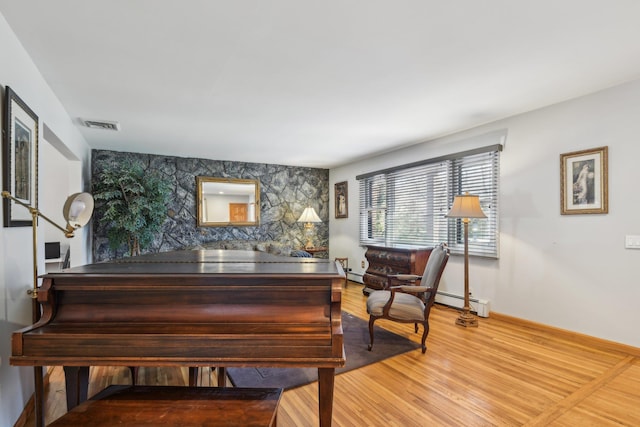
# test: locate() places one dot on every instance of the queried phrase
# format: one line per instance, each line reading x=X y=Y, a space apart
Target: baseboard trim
x=28 y=410
x=30 y=407
x=574 y=336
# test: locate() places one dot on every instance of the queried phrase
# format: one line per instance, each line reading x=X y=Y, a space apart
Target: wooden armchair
x=410 y=302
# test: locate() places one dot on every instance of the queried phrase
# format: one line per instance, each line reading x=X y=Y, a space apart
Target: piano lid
x=212 y=261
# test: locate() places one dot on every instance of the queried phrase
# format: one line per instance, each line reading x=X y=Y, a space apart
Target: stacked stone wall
x=284 y=193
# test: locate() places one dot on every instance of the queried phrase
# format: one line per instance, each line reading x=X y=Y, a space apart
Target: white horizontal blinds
x=373 y=209
x=411 y=213
x=477 y=174
x=439 y=199
x=407 y=206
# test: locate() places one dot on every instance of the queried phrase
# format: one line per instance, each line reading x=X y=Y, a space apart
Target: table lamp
x=309 y=216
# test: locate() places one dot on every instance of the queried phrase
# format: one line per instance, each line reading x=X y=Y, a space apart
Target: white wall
x=217 y=207
x=19 y=72
x=571 y=271
x=59 y=178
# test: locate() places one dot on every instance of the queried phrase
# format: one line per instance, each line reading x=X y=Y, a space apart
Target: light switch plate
x=632 y=242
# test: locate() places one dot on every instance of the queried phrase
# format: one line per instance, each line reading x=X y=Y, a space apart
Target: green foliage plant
x=131 y=203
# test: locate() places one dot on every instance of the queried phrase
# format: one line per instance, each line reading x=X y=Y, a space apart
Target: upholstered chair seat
x=406 y=307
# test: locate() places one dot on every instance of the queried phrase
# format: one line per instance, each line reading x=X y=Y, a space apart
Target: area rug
x=356 y=339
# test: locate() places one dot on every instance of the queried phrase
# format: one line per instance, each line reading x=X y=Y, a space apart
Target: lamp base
x=467 y=320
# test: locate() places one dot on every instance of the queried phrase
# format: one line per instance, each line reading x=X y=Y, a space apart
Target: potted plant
x=131 y=203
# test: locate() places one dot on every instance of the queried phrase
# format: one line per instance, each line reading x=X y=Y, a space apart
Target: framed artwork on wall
x=584 y=182
x=342 y=200
x=19 y=159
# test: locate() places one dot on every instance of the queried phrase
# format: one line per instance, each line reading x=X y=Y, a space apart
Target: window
x=407 y=205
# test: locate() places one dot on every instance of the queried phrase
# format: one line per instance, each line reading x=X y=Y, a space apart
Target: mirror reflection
x=227 y=201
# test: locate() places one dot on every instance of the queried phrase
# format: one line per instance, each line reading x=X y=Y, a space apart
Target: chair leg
x=371 y=320
x=424 y=336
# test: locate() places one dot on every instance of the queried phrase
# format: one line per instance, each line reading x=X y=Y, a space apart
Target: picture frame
x=584 y=182
x=342 y=199
x=19 y=160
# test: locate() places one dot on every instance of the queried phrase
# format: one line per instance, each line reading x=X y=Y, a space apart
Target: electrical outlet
x=362 y=264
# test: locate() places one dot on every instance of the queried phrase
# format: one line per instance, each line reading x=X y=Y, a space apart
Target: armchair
x=410 y=302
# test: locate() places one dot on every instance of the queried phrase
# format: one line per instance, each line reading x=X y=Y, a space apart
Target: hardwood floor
x=505 y=373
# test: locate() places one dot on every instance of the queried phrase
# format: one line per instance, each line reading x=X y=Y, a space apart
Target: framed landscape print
x=20 y=159
x=342 y=200
x=584 y=182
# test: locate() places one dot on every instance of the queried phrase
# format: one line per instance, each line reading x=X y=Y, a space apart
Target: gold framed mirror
x=223 y=202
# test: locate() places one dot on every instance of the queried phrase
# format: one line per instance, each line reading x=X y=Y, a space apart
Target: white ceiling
x=316 y=82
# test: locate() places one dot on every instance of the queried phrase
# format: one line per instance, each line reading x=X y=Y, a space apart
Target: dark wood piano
x=189 y=308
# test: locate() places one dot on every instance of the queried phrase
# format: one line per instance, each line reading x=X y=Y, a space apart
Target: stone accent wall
x=284 y=193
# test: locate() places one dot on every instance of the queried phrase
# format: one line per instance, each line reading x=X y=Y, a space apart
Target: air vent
x=101 y=124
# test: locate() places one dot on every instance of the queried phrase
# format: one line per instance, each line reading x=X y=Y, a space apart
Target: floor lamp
x=466 y=206
x=77 y=211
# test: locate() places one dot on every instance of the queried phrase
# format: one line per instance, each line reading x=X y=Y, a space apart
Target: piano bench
x=176 y=406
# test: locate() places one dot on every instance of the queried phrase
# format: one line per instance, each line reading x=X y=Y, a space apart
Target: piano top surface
x=204 y=262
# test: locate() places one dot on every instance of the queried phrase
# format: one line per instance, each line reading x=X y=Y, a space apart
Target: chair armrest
x=411 y=289
x=404 y=277
x=409 y=278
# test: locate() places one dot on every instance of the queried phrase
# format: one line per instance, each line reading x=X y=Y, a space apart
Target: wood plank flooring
x=504 y=373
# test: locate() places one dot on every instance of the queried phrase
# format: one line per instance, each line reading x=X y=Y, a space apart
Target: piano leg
x=193 y=376
x=325 y=395
x=76 y=380
x=134 y=374
x=39 y=395
x=222 y=377
x=38 y=371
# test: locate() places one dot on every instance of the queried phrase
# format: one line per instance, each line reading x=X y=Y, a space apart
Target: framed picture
x=342 y=200
x=19 y=159
x=584 y=182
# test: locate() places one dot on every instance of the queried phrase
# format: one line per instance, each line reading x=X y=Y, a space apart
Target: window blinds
x=407 y=205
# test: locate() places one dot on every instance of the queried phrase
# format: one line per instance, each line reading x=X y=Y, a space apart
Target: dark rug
x=356 y=340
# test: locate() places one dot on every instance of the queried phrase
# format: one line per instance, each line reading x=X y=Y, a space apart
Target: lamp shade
x=78 y=209
x=466 y=206
x=309 y=215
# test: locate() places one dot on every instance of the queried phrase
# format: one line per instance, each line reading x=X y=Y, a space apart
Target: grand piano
x=215 y=308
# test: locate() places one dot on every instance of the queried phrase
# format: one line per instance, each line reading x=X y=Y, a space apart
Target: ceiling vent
x=101 y=124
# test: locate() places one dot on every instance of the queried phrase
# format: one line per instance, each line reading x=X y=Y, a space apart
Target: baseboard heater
x=355 y=277
x=479 y=306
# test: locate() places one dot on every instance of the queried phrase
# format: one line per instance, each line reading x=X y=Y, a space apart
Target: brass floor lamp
x=466 y=206
x=77 y=211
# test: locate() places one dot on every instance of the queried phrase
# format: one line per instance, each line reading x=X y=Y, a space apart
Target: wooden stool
x=176 y=406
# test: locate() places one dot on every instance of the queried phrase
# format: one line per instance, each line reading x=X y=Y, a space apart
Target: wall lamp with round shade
x=309 y=216
x=77 y=211
x=466 y=206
